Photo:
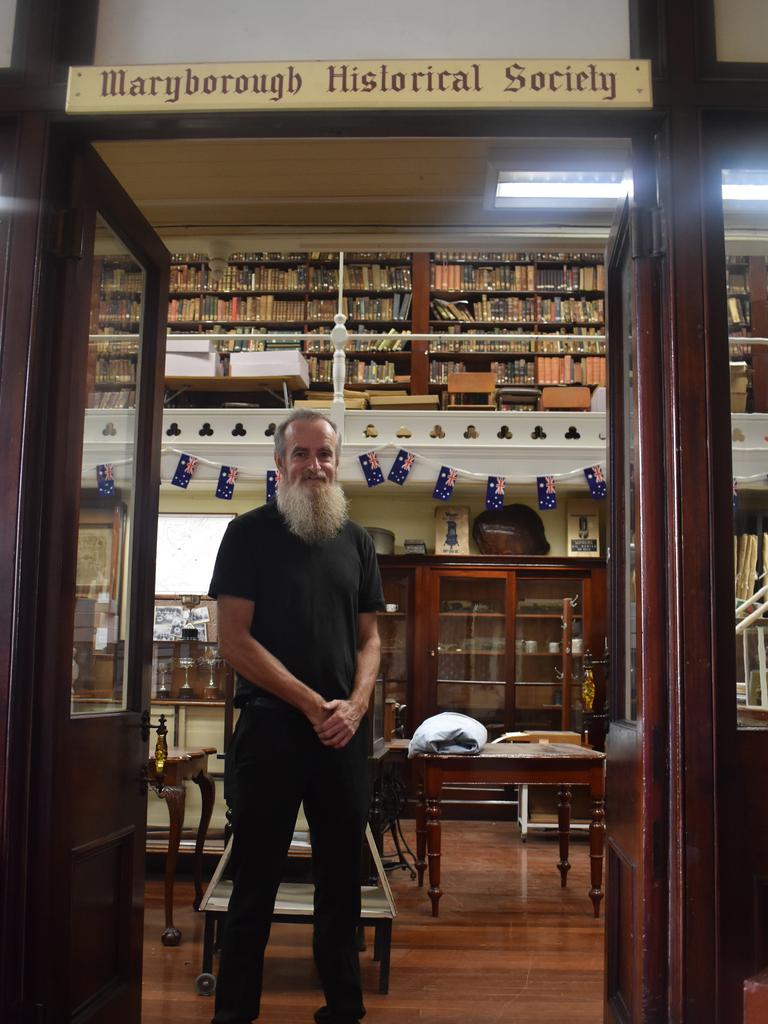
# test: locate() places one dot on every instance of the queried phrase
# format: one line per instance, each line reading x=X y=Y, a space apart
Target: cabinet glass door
x=393 y=630
x=471 y=649
x=548 y=654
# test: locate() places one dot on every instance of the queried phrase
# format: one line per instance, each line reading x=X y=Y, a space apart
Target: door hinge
x=30 y=1013
x=66 y=234
x=647 y=232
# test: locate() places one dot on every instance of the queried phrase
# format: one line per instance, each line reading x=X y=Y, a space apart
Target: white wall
x=408 y=512
x=741 y=29
x=172 y=31
x=7 y=23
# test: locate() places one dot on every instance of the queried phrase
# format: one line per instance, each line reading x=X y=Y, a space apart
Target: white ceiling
x=301 y=193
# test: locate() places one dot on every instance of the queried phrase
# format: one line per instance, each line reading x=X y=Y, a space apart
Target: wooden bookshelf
x=747 y=303
x=558 y=296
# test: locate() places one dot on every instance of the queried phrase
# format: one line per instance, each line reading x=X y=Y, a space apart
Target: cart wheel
x=205 y=984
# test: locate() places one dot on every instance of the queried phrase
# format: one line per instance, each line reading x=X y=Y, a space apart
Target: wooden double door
x=96 y=555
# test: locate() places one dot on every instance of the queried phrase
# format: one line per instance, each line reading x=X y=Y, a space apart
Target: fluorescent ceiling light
x=746 y=193
x=561 y=190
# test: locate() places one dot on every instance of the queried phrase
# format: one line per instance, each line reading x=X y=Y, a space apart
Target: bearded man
x=298 y=588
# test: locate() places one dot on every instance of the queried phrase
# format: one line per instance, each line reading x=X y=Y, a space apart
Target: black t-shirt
x=307 y=597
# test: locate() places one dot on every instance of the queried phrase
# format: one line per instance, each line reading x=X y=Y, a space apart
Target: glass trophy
x=163 y=683
x=211 y=661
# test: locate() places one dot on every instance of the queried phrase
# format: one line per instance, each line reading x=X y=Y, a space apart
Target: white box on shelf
x=283 y=363
x=200 y=344
x=598 y=400
x=192 y=364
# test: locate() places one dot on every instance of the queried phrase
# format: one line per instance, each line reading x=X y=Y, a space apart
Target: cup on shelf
x=530 y=646
x=553 y=647
x=577 y=645
x=391 y=607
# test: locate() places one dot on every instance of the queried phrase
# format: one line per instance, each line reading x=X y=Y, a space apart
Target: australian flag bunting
x=185 y=471
x=445 y=483
x=401 y=467
x=371 y=469
x=105 y=480
x=547 y=492
x=273 y=479
x=735 y=494
x=227 y=480
x=494 y=492
x=596 y=481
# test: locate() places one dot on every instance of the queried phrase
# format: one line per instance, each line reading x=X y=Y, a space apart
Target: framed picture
x=100 y=552
x=452 y=530
x=583 y=534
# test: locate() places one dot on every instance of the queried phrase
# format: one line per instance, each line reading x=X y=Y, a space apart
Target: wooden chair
x=471 y=391
x=523 y=815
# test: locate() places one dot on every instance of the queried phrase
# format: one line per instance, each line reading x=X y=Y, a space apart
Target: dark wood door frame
x=50 y=762
x=640 y=127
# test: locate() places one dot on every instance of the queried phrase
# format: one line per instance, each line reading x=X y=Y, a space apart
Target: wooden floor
x=510 y=945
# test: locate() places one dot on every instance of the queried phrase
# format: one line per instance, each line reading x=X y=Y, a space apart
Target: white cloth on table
x=448 y=733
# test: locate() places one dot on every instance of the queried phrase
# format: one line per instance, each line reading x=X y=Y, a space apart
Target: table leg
x=421 y=833
x=596 y=843
x=208 y=795
x=174 y=798
x=564 y=831
x=432 y=787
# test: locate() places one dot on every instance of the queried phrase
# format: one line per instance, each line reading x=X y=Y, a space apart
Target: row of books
x=372 y=276
x=359 y=343
x=188 y=278
x=106 y=347
x=520 y=277
x=252 y=307
x=739 y=312
x=127 y=310
x=363 y=307
x=567 y=370
x=124 y=399
x=515 y=257
x=234 y=343
x=356 y=372
x=555 y=343
x=113 y=370
x=121 y=279
x=515 y=310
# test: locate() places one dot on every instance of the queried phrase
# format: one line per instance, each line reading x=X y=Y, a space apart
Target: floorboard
x=510 y=944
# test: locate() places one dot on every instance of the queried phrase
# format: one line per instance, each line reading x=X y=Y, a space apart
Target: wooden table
x=180 y=766
x=533 y=763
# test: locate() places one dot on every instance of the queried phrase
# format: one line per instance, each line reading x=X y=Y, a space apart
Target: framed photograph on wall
x=583 y=533
x=100 y=552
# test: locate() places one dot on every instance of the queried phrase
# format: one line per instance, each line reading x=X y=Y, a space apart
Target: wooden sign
x=511 y=83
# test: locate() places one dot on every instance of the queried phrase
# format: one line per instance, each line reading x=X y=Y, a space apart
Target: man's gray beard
x=314 y=513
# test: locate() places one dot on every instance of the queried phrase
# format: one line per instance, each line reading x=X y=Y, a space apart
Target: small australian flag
x=494 y=492
x=227 y=480
x=371 y=469
x=596 y=481
x=105 y=480
x=445 y=483
x=401 y=467
x=273 y=479
x=547 y=492
x=185 y=471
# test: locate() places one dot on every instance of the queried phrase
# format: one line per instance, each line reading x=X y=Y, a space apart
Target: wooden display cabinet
x=501 y=639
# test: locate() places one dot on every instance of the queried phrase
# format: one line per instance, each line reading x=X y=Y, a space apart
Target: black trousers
x=274 y=762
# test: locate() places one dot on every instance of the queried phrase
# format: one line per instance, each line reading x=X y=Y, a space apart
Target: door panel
x=98 y=565
x=636 y=825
